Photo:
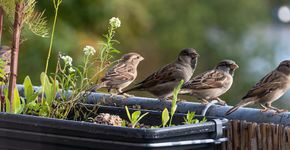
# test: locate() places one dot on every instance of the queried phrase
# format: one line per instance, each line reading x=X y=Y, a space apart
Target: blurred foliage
x=157 y=29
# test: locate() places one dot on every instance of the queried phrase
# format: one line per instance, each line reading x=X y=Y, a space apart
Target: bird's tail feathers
x=242 y=103
x=137 y=87
x=184 y=91
x=96 y=87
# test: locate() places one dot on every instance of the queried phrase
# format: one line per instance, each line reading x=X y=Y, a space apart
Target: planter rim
x=25 y=124
x=244 y=113
x=65 y=124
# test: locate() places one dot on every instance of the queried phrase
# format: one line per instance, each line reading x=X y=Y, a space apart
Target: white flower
x=67 y=60
x=89 y=50
x=70 y=69
x=115 y=22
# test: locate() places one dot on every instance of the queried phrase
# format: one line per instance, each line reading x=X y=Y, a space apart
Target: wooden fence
x=252 y=136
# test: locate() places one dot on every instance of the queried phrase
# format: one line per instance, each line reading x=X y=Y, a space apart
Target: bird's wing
x=171 y=72
x=207 y=80
x=123 y=72
x=266 y=85
x=263 y=90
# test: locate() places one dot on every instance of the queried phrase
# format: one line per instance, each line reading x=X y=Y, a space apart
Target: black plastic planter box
x=38 y=133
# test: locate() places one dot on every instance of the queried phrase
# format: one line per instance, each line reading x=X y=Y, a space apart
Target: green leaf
x=194 y=121
x=190 y=116
x=174 y=100
x=29 y=93
x=22 y=106
x=7 y=102
x=17 y=107
x=165 y=117
x=123 y=123
x=203 y=120
x=142 y=116
x=50 y=89
x=128 y=114
x=136 y=115
x=115 y=51
x=44 y=109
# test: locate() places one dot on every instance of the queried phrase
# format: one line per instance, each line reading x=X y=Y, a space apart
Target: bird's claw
x=264 y=110
x=113 y=95
x=221 y=102
x=281 y=110
x=205 y=102
x=127 y=95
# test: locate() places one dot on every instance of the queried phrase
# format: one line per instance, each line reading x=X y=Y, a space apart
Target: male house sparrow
x=268 y=89
x=122 y=74
x=213 y=83
x=162 y=82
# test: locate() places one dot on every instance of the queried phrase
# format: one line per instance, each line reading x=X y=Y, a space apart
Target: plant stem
x=56 y=6
x=1 y=23
x=85 y=74
x=19 y=13
x=107 y=47
x=2 y=100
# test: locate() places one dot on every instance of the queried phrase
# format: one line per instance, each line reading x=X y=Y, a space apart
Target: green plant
x=174 y=101
x=165 y=117
x=31 y=105
x=135 y=117
x=107 y=47
x=50 y=87
x=56 y=4
x=2 y=84
x=25 y=14
x=73 y=80
x=17 y=106
x=189 y=118
x=34 y=105
x=165 y=114
x=2 y=72
x=29 y=92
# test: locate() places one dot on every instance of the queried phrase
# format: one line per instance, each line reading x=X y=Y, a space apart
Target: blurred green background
x=249 y=32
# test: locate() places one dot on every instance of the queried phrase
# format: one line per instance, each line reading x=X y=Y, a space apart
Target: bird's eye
x=138 y=57
x=185 y=53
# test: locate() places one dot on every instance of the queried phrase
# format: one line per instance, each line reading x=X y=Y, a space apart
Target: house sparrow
x=122 y=74
x=162 y=82
x=5 y=56
x=268 y=89
x=213 y=83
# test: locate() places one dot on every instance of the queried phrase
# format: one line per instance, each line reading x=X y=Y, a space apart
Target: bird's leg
x=221 y=101
x=125 y=94
x=163 y=99
x=204 y=101
x=265 y=108
x=112 y=94
x=269 y=105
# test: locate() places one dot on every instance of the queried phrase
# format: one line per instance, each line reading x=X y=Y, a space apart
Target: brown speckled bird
x=268 y=89
x=122 y=74
x=211 y=84
x=162 y=82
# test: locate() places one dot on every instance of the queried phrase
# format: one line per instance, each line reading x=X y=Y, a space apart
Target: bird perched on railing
x=162 y=82
x=211 y=84
x=5 y=56
x=268 y=89
x=122 y=74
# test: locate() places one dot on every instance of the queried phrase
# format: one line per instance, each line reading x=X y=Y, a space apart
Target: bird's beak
x=141 y=58
x=194 y=55
x=234 y=66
